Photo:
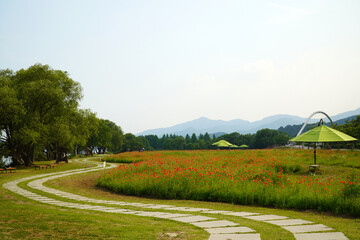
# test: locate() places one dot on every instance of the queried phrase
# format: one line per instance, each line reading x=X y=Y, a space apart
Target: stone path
x=218 y=228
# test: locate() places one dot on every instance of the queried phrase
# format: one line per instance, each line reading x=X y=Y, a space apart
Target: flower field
x=275 y=178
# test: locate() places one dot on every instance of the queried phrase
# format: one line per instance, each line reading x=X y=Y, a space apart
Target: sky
x=153 y=64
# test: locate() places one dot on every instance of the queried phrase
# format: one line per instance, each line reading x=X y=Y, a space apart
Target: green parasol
x=244 y=146
x=322 y=133
x=223 y=143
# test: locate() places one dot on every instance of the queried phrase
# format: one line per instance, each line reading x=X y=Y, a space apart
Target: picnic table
x=45 y=166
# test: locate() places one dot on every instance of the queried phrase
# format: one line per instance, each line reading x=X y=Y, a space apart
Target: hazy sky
x=152 y=64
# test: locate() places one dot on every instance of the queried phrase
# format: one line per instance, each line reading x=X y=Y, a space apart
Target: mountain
x=293 y=130
x=203 y=125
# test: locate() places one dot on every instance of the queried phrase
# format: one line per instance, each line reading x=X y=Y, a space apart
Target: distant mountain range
x=219 y=127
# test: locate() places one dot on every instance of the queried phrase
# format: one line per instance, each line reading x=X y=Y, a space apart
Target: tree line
x=264 y=138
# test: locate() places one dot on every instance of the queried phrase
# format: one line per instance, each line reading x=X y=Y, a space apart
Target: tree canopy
x=40 y=117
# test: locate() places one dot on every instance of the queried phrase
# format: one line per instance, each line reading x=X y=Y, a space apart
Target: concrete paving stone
x=216 y=212
x=248 y=236
x=120 y=204
x=158 y=206
x=229 y=230
x=214 y=224
x=38 y=198
x=308 y=228
x=129 y=212
x=241 y=214
x=106 y=209
x=74 y=205
x=61 y=203
x=173 y=215
x=29 y=195
x=266 y=217
x=51 y=201
x=151 y=214
x=321 y=236
x=177 y=208
x=146 y=205
x=100 y=208
x=187 y=209
x=96 y=201
x=191 y=219
x=289 y=222
x=121 y=211
x=137 y=204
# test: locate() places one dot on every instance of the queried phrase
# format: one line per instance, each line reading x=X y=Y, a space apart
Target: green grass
x=21 y=218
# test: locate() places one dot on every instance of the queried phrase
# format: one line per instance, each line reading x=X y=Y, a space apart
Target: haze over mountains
x=203 y=124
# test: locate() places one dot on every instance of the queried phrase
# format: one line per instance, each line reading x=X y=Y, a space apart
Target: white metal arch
x=302 y=128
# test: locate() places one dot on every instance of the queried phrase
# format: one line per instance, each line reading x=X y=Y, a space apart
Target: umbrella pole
x=314 y=153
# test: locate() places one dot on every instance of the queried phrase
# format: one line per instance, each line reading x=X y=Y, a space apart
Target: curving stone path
x=219 y=229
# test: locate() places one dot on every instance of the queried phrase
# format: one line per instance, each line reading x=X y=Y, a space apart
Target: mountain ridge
x=202 y=125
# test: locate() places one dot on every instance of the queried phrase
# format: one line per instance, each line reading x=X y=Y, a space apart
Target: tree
x=154 y=142
x=187 y=138
x=351 y=128
x=193 y=138
x=37 y=100
x=207 y=137
x=264 y=138
x=131 y=142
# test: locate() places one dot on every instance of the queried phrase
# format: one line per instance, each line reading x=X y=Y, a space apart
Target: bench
x=41 y=166
x=10 y=169
x=313 y=168
x=51 y=165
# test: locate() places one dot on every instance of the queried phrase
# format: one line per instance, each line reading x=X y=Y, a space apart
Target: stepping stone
x=214 y=224
x=187 y=209
x=197 y=209
x=137 y=204
x=151 y=214
x=241 y=214
x=321 y=236
x=177 y=208
x=266 y=217
x=249 y=236
x=192 y=219
x=121 y=211
x=217 y=212
x=289 y=222
x=308 y=228
x=160 y=206
x=173 y=215
x=129 y=212
x=229 y=230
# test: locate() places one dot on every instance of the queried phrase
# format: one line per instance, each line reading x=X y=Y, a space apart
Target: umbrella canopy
x=244 y=146
x=222 y=143
x=323 y=134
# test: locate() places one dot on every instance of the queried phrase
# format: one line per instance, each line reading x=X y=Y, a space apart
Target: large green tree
x=39 y=102
x=107 y=137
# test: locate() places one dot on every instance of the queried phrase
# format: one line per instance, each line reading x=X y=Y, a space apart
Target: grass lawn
x=21 y=218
